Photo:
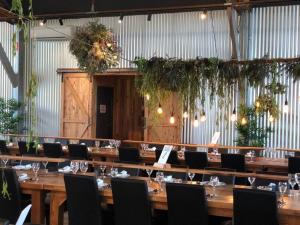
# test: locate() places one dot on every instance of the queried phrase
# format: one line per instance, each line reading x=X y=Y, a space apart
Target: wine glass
x=160 y=178
x=97 y=143
x=251 y=181
x=5 y=161
x=84 y=165
x=292 y=181
x=74 y=166
x=149 y=172
x=215 y=151
x=214 y=181
x=282 y=186
x=117 y=144
x=102 y=168
x=45 y=163
x=35 y=169
x=191 y=176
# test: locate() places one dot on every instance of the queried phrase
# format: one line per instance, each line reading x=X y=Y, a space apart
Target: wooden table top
x=223 y=200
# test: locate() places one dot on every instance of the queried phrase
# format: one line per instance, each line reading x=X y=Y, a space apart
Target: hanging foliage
x=95 y=48
x=192 y=79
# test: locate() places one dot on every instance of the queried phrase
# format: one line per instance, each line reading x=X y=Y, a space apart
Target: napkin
x=123 y=174
x=168 y=179
x=101 y=183
x=23 y=176
x=22 y=167
x=66 y=169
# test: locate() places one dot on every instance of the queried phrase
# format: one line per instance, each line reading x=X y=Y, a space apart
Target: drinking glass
x=252 y=154
x=292 y=181
x=251 y=181
x=144 y=146
x=97 y=143
x=84 y=166
x=35 y=169
x=282 y=186
x=160 y=179
x=214 y=181
x=191 y=176
x=215 y=151
x=74 y=166
x=102 y=168
x=149 y=172
x=113 y=172
x=45 y=163
x=117 y=144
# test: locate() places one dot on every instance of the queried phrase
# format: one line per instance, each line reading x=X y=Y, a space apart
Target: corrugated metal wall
x=181 y=35
x=6 y=33
x=275 y=31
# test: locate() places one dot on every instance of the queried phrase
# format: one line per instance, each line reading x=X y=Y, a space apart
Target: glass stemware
x=35 y=169
x=191 y=176
x=97 y=143
x=149 y=172
x=251 y=181
x=45 y=163
x=5 y=161
x=160 y=179
x=84 y=166
x=102 y=168
x=214 y=181
x=282 y=186
x=74 y=166
x=292 y=182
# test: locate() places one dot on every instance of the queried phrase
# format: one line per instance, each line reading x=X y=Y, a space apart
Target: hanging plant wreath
x=192 y=79
x=95 y=48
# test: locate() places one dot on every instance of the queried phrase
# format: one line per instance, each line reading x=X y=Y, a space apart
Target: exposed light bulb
x=203 y=117
x=121 y=19
x=185 y=114
x=196 y=122
x=147 y=97
x=172 y=119
x=286 y=107
x=257 y=104
x=109 y=45
x=271 y=119
x=244 y=121
x=233 y=116
x=159 y=109
x=203 y=15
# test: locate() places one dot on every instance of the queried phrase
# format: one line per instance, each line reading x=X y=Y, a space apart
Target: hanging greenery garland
x=95 y=48
x=193 y=78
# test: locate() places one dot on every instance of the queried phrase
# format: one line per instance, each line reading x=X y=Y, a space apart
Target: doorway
x=105 y=98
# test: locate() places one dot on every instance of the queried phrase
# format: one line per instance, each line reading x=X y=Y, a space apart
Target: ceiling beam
x=12 y=76
x=233 y=32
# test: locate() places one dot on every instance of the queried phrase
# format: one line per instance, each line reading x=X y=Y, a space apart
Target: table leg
x=38 y=207
x=56 y=209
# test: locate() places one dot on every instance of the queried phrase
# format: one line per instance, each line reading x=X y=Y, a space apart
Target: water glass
x=74 y=166
x=35 y=169
x=45 y=163
x=102 y=168
x=292 y=182
x=214 y=181
x=282 y=186
x=144 y=146
x=113 y=172
x=149 y=172
x=191 y=176
x=160 y=179
x=84 y=166
x=5 y=161
x=251 y=181
x=97 y=143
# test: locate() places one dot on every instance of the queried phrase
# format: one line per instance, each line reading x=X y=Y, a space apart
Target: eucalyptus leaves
x=192 y=79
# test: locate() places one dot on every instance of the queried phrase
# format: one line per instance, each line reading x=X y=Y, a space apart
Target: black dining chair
x=173 y=157
x=196 y=160
x=236 y=162
x=129 y=155
x=29 y=150
x=78 y=151
x=84 y=201
x=222 y=178
x=88 y=143
x=252 y=206
x=62 y=141
x=294 y=164
x=3 y=147
x=187 y=204
x=53 y=150
x=131 y=202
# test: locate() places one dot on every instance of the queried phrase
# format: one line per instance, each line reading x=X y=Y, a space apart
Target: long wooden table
x=221 y=205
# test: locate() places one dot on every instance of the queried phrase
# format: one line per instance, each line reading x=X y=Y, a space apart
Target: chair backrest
x=83 y=200
x=266 y=182
x=52 y=150
x=129 y=154
x=131 y=202
x=252 y=206
x=3 y=147
x=196 y=160
x=233 y=161
x=62 y=141
x=173 y=157
x=88 y=143
x=222 y=178
x=10 y=206
x=294 y=164
x=31 y=150
x=186 y=204
x=77 y=151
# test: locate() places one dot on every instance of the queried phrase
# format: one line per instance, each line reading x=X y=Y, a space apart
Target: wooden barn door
x=76 y=108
